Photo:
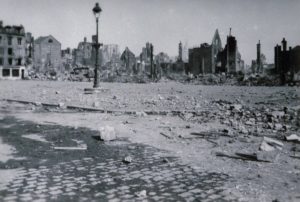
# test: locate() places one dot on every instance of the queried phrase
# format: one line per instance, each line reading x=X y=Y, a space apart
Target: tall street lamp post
x=97 y=10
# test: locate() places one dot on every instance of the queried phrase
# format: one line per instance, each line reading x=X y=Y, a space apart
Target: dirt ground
x=209 y=121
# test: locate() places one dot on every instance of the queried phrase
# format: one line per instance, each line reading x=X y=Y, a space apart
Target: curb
x=90 y=109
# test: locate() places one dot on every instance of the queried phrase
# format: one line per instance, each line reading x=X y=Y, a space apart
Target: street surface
x=174 y=157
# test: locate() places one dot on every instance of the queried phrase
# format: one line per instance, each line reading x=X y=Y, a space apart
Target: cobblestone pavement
x=97 y=173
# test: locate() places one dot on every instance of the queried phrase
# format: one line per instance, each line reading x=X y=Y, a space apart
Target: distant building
x=83 y=53
x=110 y=52
x=47 y=53
x=230 y=59
x=204 y=59
x=146 y=54
x=146 y=58
x=67 y=59
x=163 y=62
x=129 y=60
x=12 y=51
x=258 y=65
x=29 y=45
x=179 y=52
x=287 y=61
x=162 y=58
x=185 y=53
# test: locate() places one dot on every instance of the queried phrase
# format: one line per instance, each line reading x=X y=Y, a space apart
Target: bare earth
x=227 y=119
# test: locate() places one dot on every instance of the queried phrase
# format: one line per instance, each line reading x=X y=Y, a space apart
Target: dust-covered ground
x=220 y=130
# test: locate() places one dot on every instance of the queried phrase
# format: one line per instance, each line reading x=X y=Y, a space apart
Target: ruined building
x=204 y=59
x=146 y=54
x=185 y=53
x=230 y=59
x=146 y=59
x=258 y=65
x=129 y=60
x=12 y=51
x=110 y=52
x=287 y=61
x=47 y=54
x=83 y=54
x=179 y=52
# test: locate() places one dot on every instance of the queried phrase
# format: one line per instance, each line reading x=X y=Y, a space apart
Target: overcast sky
x=163 y=22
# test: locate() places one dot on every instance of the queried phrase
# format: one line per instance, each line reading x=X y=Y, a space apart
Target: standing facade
x=204 y=59
x=47 y=53
x=12 y=51
x=287 y=61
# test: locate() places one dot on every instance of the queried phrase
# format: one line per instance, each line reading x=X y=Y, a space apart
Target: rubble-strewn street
x=162 y=141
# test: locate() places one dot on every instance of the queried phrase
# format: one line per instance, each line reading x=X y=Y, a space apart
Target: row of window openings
x=9 y=40
x=9 y=51
x=6 y=73
x=10 y=61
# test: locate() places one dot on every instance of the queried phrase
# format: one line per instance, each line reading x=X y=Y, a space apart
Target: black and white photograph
x=149 y=100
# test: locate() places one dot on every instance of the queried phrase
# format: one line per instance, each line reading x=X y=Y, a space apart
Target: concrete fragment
x=38 y=103
x=278 y=126
x=127 y=159
x=266 y=147
x=237 y=107
x=293 y=137
x=107 y=133
x=140 y=114
x=272 y=141
x=70 y=148
x=96 y=104
x=61 y=104
x=271 y=156
x=278 y=114
x=141 y=194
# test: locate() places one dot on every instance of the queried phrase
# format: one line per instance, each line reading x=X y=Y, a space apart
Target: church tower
x=216 y=47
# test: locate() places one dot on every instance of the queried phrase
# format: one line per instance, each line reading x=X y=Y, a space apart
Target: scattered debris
x=36 y=137
x=70 y=148
x=293 y=138
x=96 y=104
x=269 y=143
x=141 y=194
x=237 y=107
x=264 y=146
x=127 y=159
x=107 y=133
x=61 y=104
x=140 y=114
x=166 y=135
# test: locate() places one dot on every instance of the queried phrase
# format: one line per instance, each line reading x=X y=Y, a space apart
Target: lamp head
x=97 y=10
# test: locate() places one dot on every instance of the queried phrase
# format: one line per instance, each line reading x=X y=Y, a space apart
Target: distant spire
x=230 y=31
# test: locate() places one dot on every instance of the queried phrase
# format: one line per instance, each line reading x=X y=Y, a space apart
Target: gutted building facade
x=12 y=51
x=47 y=53
x=229 y=59
x=204 y=59
x=287 y=61
x=128 y=59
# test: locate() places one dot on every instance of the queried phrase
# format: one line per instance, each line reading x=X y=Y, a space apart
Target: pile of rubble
x=214 y=79
x=48 y=75
x=259 y=80
x=271 y=126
